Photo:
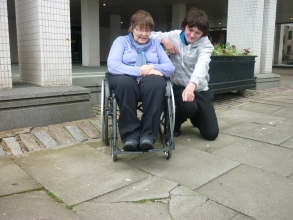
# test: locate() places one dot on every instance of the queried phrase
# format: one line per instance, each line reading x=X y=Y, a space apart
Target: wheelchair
x=109 y=110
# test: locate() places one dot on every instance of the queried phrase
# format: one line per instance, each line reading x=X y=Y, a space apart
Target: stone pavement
x=65 y=171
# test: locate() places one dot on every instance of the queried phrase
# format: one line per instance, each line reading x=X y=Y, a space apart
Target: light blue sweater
x=192 y=62
x=122 y=58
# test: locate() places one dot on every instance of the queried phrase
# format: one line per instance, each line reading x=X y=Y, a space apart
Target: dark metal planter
x=231 y=73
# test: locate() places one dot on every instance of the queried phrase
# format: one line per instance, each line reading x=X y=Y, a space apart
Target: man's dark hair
x=196 y=18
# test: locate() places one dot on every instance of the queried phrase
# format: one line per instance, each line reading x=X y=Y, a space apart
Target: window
x=290 y=35
x=288 y=50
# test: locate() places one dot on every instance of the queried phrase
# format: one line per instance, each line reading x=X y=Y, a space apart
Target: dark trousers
x=128 y=92
x=200 y=111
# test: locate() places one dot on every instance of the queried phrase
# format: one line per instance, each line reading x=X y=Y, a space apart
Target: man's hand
x=188 y=92
x=145 y=69
x=170 y=47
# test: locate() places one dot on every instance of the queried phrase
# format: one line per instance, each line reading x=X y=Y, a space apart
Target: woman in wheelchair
x=137 y=66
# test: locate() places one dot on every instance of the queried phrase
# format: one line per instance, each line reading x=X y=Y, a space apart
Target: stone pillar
x=267 y=46
x=278 y=50
x=178 y=13
x=5 y=63
x=115 y=27
x=44 y=47
x=90 y=27
x=244 y=26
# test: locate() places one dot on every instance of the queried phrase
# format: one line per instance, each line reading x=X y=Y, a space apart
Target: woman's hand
x=188 y=92
x=155 y=72
x=170 y=47
x=145 y=69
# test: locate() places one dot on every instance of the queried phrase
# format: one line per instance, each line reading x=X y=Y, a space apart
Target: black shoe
x=130 y=145
x=146 y=144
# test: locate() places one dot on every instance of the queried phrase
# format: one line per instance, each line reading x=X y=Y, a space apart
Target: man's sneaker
x=130 y=145
x=146 y=144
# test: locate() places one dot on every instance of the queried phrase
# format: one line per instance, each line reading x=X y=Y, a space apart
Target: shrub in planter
x=231 y=69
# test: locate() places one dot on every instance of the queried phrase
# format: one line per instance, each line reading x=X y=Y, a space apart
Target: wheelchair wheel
x=173 y=108
x=114 y=156
x=165 y=129
x=104 y=115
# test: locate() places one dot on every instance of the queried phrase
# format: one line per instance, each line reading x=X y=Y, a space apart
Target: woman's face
x=192 y=34
x=141 y=34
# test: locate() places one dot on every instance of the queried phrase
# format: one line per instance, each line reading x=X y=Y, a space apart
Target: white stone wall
x=5 y=63
x=244 y=26
x=90 y=32
x=44 y=47
x=267 y=47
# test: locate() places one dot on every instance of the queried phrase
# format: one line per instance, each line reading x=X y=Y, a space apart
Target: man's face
x=192 y=34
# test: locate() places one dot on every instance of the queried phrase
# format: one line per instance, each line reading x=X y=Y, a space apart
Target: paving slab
x=14 y=132
x=61 y=135
x=190 y=137
x=272 y=134
x=76 y=133
x=288 y=143
x=78 y=173
x=231 y=117
x=150 y=188
x=12 y=144
x=118 y=211
x=88 y=129
x=45 y=138
x=14 y=179
x=34 y=205
x=279 y=98
x=259 y=107
x=183 y=191
x=96 y=123
x=198 y=207
x=270 y=102
x=290 y=93
x=242 y=217
x=29 y=142
x=252 y=192
x=188 y=167
x=2 y=152
x=261 y=155
x=284 y=112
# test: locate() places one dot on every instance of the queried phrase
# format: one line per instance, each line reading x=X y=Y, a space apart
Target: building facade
x=44 y=43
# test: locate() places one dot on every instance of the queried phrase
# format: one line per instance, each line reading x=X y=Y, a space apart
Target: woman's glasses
x=140 y=30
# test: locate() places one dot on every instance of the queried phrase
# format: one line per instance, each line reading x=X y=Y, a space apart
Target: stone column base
x=267 y=80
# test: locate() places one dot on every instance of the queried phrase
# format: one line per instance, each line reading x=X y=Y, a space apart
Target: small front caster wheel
x=168 y=154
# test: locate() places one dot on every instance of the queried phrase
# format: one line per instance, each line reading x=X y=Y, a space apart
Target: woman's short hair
x=142 y=18
x=196 y=18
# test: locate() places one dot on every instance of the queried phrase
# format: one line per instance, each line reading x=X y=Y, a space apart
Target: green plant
x=228 y=50
x=53 y=196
